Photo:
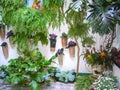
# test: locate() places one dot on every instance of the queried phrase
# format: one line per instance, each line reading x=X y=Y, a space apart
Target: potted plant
x=64 y=39
x=60 y=56
x=105 y=82
x=2 y=31
x=71 y=46
x=99 y=58
x=5 y=49
x=10 y=36
x=52 y=42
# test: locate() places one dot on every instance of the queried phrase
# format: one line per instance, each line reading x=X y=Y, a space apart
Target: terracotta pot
x=5 y=50
x=64 y=42
x=2 y=31
x=60 y=59
x=52 y=49
x=97 y=69
x=72 y=51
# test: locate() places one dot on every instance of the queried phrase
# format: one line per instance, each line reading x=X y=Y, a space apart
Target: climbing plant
x=28 y=23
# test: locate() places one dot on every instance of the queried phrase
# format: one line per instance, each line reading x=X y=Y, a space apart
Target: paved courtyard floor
x=53 y=86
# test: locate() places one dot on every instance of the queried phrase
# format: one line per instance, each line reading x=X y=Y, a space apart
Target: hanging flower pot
x=60 y=56
x=71 y=46
x=2 y=31
x=52 y=42
x=10 y=36
x=64 y=40
x=72 y=51
x=5 y=49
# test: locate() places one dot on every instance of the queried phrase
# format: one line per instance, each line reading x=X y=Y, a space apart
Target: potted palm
x=64 y=39
x=5 y=49
x=71 y=46
x=52 y=42
x=2 y=31
x=60 y=56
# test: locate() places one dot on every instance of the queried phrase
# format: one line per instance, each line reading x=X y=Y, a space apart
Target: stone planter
x=2 y=31
x=72 y=51
x=60 y=59
x=97 y=69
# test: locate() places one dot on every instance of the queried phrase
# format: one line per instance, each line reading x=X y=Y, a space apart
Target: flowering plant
x=53 y=37
x=71 y=44
x=60 y=51
x=99 y=57
x=64 y=35
x=53 y=40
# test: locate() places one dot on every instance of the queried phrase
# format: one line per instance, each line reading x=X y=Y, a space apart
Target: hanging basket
x=5 y=49
x=2 y=31
x=64 y=42
x=60 y=59
x=52 y=45
x=72 y=51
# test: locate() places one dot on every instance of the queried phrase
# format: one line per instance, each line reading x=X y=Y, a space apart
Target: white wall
x=68 y=63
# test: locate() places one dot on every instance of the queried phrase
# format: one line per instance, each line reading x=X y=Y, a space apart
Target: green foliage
x=25 y=28
x=53 y=8
x=78 y=27
x=88 y=41
x=63 y=76
x=106 y=82
x=101 y=16
x=31 y=70
x=9 y=7
x=84 y=82
x=28 y=23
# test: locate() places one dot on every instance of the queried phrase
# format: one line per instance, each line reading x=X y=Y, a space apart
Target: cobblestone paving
x=53 y=86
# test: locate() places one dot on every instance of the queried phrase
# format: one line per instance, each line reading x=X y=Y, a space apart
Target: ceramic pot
x=64 y=42
x=72 y=51
x=60 y=59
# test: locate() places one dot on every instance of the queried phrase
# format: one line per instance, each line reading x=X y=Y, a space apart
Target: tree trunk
x=78 y=56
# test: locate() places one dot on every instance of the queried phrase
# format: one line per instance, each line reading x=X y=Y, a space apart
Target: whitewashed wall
x=68 y=63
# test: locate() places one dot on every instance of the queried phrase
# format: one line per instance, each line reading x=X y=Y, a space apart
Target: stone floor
x=53 y=86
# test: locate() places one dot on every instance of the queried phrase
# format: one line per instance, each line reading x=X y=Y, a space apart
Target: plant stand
x=60 y=59
x=64 y=42
x=72 y=51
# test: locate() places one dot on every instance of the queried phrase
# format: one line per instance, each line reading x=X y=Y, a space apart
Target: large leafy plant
x=31 y=70
x=103 y=15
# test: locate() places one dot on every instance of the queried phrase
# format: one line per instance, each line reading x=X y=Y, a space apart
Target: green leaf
x=34 y=85
x=15 y=80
